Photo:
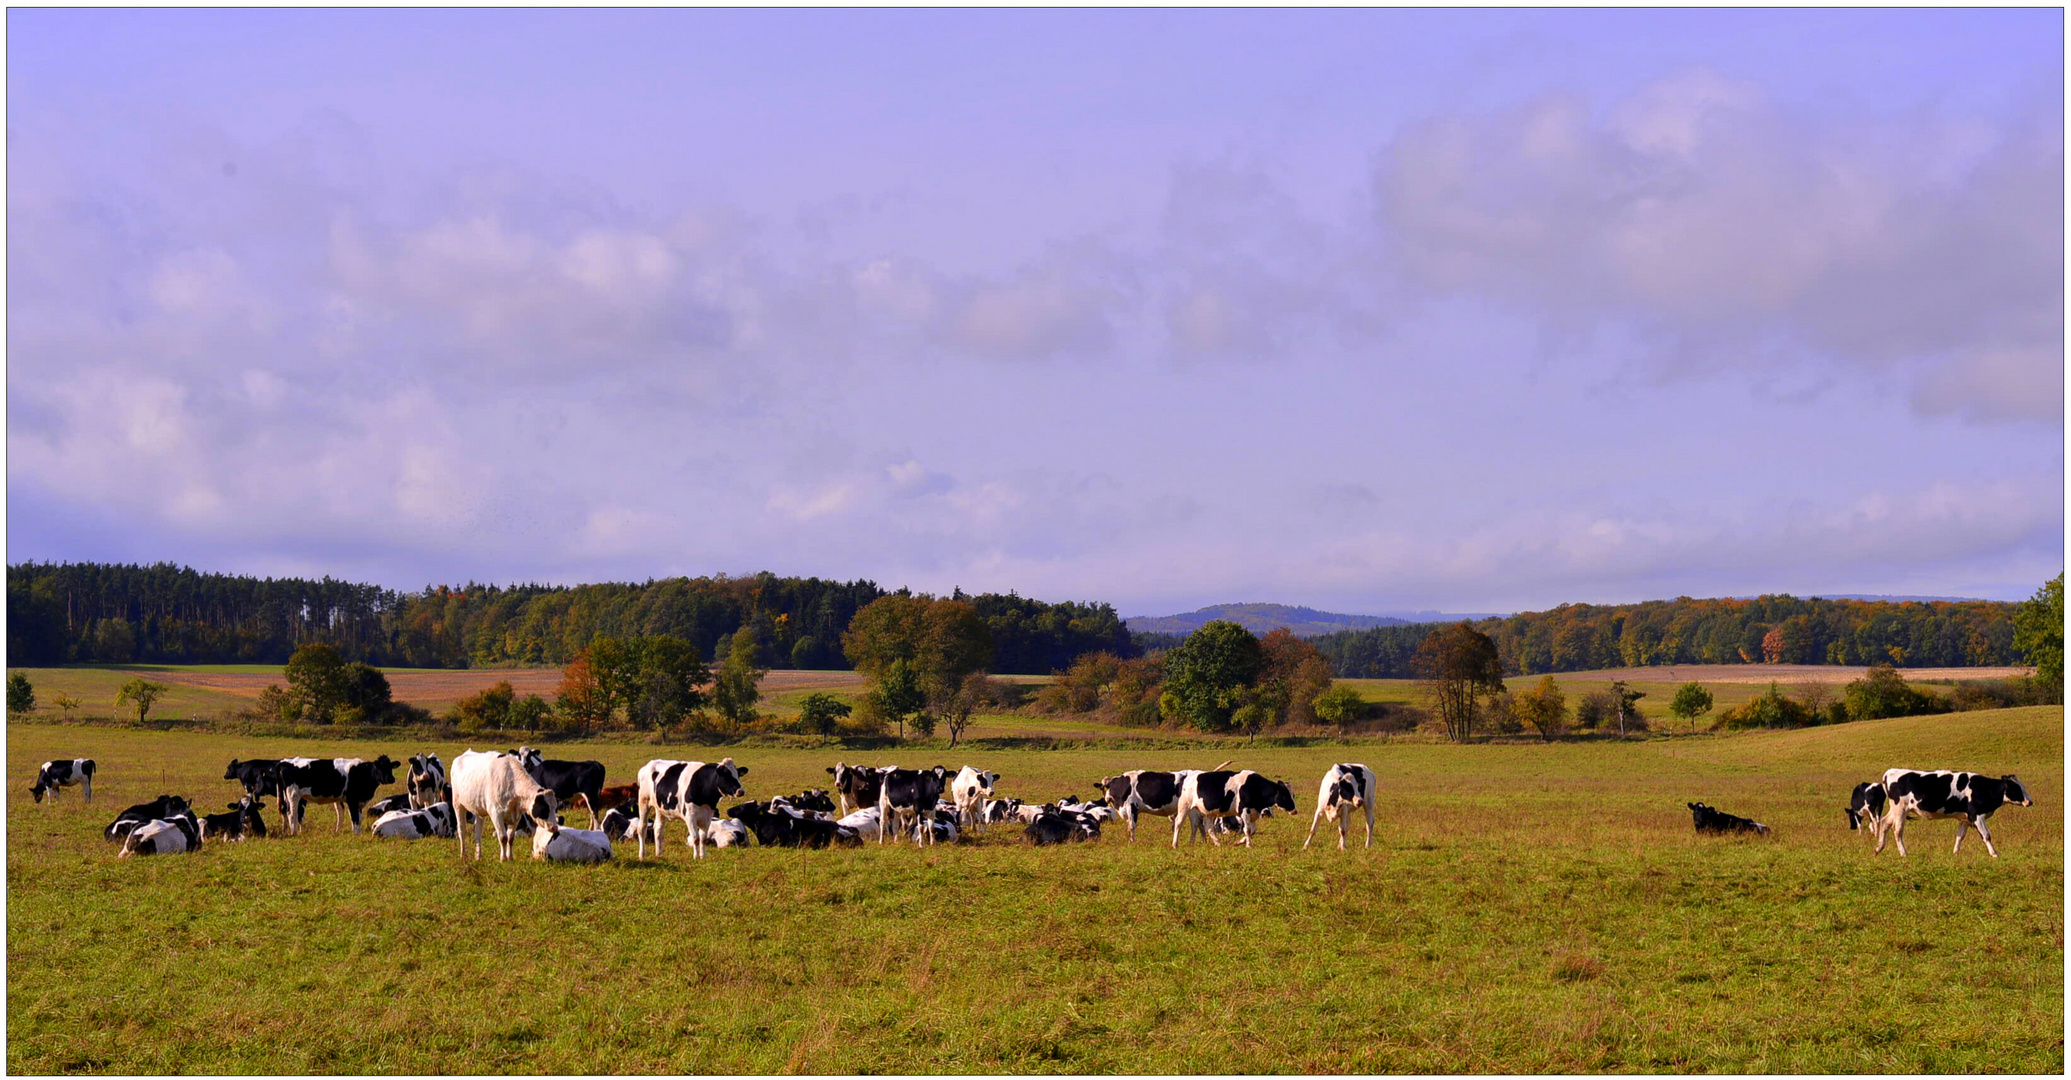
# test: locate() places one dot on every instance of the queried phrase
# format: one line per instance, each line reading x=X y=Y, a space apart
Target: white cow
x=1345 y=788
x=495 y=786
x=434 y=820
x=164 y=836
x=555 y=843
x=864 y=821
x=968 y=791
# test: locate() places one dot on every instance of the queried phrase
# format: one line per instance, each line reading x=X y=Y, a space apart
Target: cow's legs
x=1898 y=833
x=640 y=827
x=590 y=806
x=1369 y=823
x=1179 y=820
x=1962 y=826
x=1315 y=819
x=1986 y=836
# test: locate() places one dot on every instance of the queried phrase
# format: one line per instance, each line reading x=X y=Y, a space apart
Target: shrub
x=1595 y=709
x=531 y=712
x=21 y=696
x=1883 y=692
x=1340 y=706
x=489 y=709
x=1771 y=710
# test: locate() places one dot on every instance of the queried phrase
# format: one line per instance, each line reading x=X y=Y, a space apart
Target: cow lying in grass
x=1719 y=822
x=164 y=806
x=163 y=836
x=558 y=843
x=244 y=819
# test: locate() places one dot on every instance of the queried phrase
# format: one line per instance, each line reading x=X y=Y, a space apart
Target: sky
x=1368 y=311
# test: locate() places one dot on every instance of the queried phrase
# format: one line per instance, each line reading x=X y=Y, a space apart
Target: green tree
x=937 y=644
x=368 y=697
x=1207 y=674
x=488 y=710
x=318 y=676
x=1692 y=700
x=662 y=676
x=1457 y=665
x=820 y=713
x=115 y=641
x=2039 y=634
x=977 y=689
x=897 y=695
x=1883 y=692
x=1340 y=706
x=66 y=702
x=1627 y=697
x=21 y=696
x=531 y=713
x=141 y=693
x=1544 y=709
x=734 y=689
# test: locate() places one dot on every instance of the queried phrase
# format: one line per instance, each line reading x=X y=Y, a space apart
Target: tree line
x=1778 y=629
x=93 y=612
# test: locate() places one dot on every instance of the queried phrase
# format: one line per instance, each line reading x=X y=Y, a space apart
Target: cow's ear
x=740 y=770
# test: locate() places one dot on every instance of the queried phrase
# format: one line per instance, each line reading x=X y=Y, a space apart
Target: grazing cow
x=244 y=817
x=970 y=790
x=348 y=784
x=435 y=820
x=1143 y=791
x=1345 y=788
x=164 y=806
x=1217 y=794
x=775 y=826
x=905 y=794
x=260 y=778
x=555 y=843
x=1968 y=797
x=163 y=836
x=691 y=790
x=55 y=776
x=1866 y=809
x=568 y=780
x=426 y=782
x=496 y=787
x=402 y=801
x=856 y=786
x=1709 y=820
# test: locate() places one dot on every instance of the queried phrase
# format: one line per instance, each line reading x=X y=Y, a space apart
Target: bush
x=489 y=709
x=1883 y=692
x=1771 y=710
x=1340 y=706
x=21 y=696
x=1595 y=709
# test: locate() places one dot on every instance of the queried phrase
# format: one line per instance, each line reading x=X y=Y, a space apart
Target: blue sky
x=1366 y=310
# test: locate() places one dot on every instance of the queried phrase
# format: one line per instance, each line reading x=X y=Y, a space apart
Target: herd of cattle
x=522 y=792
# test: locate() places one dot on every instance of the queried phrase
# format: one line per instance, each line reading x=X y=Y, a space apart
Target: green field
x=1524 y=908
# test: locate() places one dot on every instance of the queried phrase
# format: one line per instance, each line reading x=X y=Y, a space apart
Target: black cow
x=568 y=780
x=1061 y=826
x=55 y=776
x=260 y=778
x=1217 y=794
x=905 y=795
x=347 y=783
x=1708 y=820
x=244 y=818
x=164 y=806
x=774 y=826
x=856 y=786
x=690 y=790
x=1968 y=797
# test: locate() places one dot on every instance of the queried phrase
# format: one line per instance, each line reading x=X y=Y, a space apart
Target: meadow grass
x=1523 y=908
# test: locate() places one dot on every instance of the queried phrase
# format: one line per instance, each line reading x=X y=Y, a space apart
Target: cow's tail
x=1222 y=766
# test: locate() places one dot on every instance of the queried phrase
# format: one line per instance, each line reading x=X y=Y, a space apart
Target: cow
x=1968 y=797
x=905 y=795
x=938 y=828
x=435 y=820
x=618 y=795
x=970 y=790
x=997 y=810
x=855 y=786
x=726 y=832
x=810 y=801
x=348 y=784
x=55 y=776
x=617 y=823
x=400 y=801
x=1143 y=791
x=691 y=790
x=260 y=778
x=1345 y=788
x=496 y=787
x=1216 y=794
x=426 y=782
x=1866 y=809
x=555 y=843
x=164 y=806
x=163 y=836
x=1709 y=820
x=864 y=823
x=1061 y=826
x=568 y=780
x=774 y=825
x=245 y=817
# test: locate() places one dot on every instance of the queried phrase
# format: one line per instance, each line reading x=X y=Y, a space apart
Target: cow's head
x=543 y=807
x=2015 y=792
x=231 y=772
x=37 y=788
x=384 y=770
x=1283 y=796
x=730 y=778
x=174 y=805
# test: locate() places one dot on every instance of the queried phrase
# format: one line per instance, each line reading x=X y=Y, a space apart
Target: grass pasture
x=1523 y=908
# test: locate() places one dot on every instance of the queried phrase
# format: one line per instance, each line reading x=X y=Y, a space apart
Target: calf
x=772 y=826
x=55 y=776
x=971 y=788
x=495 y=786
x=1219 y=794
x=856 y=786
x=435 y=820
x=1968 y=797
x=426 y=782
x=164 y=806
x=811 y=801
x=245 y=817
x=905 y=794
x=345 y=783
x=1708 y=820
x=618 y=824
x=864 y=823
x=690 y=790
x=1345 y=788
x=555 y=843
x=568 y=780
x=998 y=810
x=163 y=836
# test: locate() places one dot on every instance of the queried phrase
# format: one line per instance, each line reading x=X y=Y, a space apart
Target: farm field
x=1523 y=908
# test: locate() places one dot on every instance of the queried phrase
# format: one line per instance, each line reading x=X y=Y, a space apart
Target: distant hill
x=1261 y=619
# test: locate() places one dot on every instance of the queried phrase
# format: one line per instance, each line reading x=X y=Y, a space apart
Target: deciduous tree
x=820 y=713
x=1457 y=666
x=141 y=693
x=2039 y=633
x=1544 y=709
x=1206 y=676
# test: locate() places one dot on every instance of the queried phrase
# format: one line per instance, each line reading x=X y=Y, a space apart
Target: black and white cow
x=809 y=801
x=399 y=801
x=1708 y=820
x=970 y=790
x=163 y=836
x=426 y=782
x=1217 y=793
x=998 y=810
x=775 y=825
x=905 y=795
x=347 y=784
x=1345 y=788
x=618 y=824
x=244 y=819
x=260 y=778
x=164 y=806
x=1055 y=826
x=1866 y=809
x=55 y=776
x=690 y=790
x=856 y=786
x=1968 y=797
x=1143 y=791
x=431 y=821
x=568 y=780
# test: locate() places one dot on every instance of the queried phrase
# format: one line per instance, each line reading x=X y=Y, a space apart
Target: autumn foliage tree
x=917 y=644
x=1458 y=665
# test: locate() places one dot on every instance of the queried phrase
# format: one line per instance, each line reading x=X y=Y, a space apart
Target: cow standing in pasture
x=970 y=790
x=426 y=782
x=1216 y=794
x=1866 y=810
x=347 y=784
x=691 y=790
x=495 y=787
x=55 y=776
x=855 y=786
x=1144 y=791
x=1345 y=788
x=568 y=780
x=1969 y=797
x=905 y=796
